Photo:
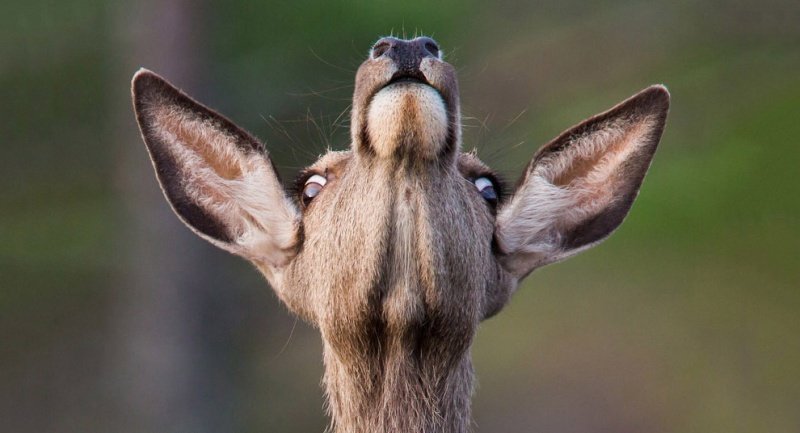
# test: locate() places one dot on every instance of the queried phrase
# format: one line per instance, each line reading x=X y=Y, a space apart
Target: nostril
x=381 y=48
x=432 y=48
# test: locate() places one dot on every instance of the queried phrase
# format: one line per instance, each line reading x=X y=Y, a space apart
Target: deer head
x=397 y=248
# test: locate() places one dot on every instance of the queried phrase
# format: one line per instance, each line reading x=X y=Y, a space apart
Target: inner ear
x=596 y=161
x=208 y=145
x=217 y=177
x=579 y=187
x=599 y=165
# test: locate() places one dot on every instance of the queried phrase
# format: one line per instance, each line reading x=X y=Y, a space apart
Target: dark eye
x=313 y=186
x=486 y=188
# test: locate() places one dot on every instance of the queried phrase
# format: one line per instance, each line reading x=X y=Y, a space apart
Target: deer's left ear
x=217 y=177
x=579 y=187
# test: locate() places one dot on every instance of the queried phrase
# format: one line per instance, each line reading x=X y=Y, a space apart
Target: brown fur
x=399 y=257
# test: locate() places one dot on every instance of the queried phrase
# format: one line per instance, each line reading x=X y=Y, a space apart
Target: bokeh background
x=115 y=318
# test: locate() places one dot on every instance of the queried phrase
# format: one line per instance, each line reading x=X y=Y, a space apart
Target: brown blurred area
x=114 y=317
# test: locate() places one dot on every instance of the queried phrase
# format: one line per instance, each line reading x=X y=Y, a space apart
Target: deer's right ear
x=579 y=187
x=217 y=177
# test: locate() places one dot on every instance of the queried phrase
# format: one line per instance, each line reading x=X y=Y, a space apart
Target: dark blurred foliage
x=686 y=320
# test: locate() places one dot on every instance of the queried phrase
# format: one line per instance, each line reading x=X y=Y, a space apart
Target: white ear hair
x=216 y=176
x=579 y=187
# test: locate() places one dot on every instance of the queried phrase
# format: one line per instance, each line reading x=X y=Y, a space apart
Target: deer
x=398 y=247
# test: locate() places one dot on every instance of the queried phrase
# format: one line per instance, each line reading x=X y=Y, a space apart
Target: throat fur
x=414 y=377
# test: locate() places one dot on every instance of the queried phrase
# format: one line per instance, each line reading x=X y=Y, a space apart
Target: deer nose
x=406 y=54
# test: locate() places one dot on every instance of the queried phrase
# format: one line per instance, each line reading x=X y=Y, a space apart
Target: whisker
x=329 y=63
x=289 y=339
x=524 y=110
x=321 y=93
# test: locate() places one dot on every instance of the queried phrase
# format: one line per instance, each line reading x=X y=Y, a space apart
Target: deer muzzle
x=406 y=102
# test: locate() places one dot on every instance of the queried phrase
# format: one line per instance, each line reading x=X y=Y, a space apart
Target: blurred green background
x=113 y=317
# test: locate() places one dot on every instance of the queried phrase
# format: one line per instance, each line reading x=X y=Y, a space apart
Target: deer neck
x=400 y=362
x=404 y=385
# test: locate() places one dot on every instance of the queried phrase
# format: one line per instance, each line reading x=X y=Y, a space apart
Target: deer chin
x=407 y=118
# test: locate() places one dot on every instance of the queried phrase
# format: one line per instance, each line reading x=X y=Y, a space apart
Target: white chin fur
x=407 y=113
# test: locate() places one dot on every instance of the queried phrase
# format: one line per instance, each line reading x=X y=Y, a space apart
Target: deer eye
x=312 y=187
x=486 y=188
